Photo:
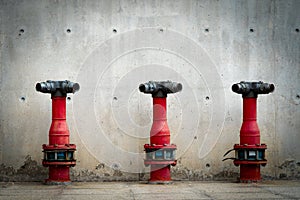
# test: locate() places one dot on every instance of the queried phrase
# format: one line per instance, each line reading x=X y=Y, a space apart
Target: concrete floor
x=136 y=190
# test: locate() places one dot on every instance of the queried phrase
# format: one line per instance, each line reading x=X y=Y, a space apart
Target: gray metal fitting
x=57 y=88
x=252 y=89
x=160 y=88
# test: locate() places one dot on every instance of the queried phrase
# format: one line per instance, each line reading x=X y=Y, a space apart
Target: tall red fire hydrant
x=59 y=153
x=250 y=153
x=160 y=154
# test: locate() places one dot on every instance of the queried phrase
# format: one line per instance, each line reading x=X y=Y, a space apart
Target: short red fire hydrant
x=59 y=153
x=250 y=153
x=160 y=154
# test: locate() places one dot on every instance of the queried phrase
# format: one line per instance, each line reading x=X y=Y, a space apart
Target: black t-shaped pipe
x=160 y=88
x=57 y=88
x=252 y=89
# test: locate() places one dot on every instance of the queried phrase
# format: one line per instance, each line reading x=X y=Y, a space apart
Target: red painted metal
x=249 y=137
x=160 y=135
x=160 y=173
x=59 y=131
x=249 y=133
x=59 y=139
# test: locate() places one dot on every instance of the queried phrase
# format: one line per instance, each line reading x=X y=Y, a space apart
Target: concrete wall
x=110 y=47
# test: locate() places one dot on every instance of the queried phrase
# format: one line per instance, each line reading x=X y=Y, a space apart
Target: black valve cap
x=72 y=87
x=172 y=87
x=39 y=86
x=45 y=87
x=240 y=88
x=266 y=88
x=147 y=87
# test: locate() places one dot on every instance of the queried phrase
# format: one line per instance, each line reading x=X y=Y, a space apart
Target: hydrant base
x=160 y=173
x=160 y=182
x=250 y=173
x=50 y=182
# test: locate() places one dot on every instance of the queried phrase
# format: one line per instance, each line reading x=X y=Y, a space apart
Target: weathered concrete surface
x=133 y=190
x=110 y=47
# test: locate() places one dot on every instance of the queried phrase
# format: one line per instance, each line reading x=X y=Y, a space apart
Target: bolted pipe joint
x=57 y=88
x=252 y=89
x=160 y=88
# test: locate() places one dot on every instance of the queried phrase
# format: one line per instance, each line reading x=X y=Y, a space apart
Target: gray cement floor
x=136 y=190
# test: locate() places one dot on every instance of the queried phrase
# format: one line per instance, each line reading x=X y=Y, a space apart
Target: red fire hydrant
x=160 y=154
x=250 y=153
x=59 y=153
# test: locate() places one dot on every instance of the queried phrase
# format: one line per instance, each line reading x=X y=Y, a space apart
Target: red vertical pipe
x=59 y=131
x=249 y=135
x=160 y=135
x=59 y=135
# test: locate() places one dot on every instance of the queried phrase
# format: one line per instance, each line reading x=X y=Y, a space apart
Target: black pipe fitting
x=252 y=89
x=160 y=88
x=57 y=88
